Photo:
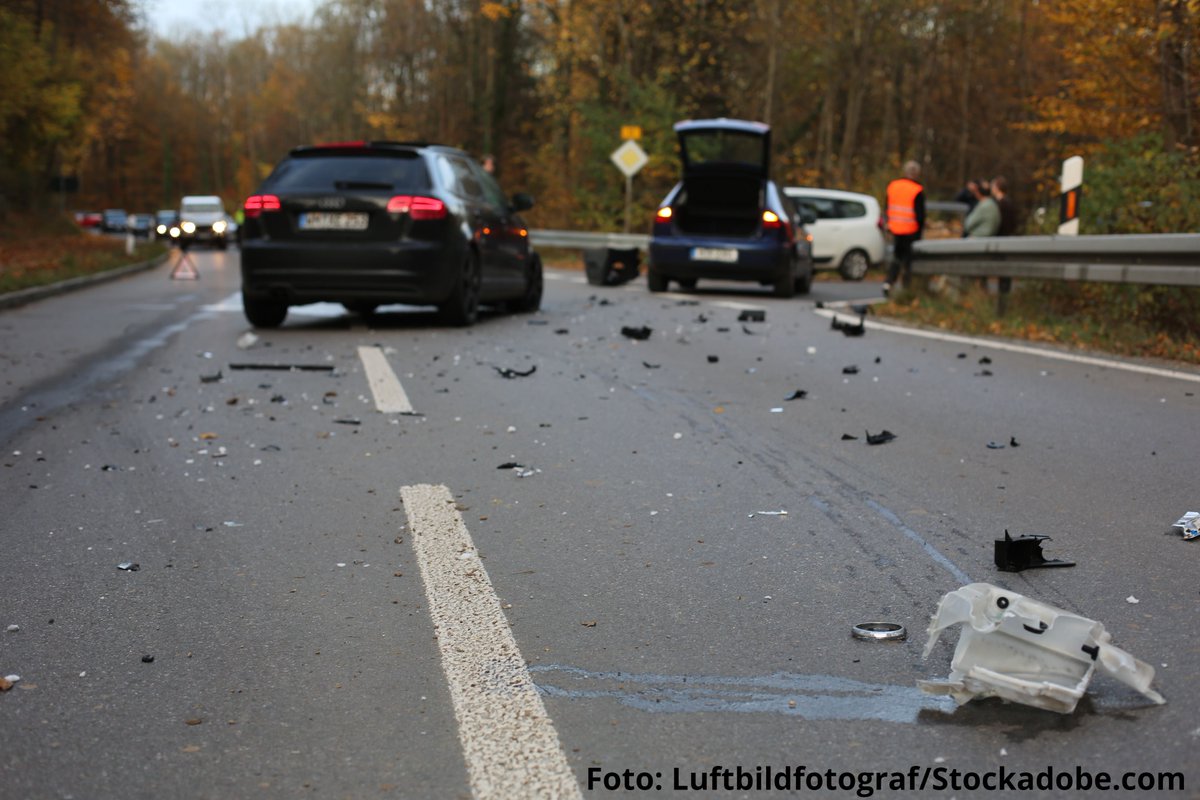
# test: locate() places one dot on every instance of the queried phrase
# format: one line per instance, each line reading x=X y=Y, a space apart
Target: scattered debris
x=1012 y=442
x=562 y=331
x=591 y=623
x=722 y=329
x=878 y=359
x=129 y=566
x=648 y=365
x=278 y=398
x=780 y=513
x=7 y=682
x=247 y=340
x=799 y=394
x=983 y=373
x=13 y=628
x=747 y=330
x=213 y=378
x=1133 y=601
x=777 y=410
x=995 y=445
x=193 y=721
x=879 y=631
x=862 y=309
x=848 y=328
x=231 y=524
x=883 y=437
x=147 y=659
x=640 y=334
x=713 y=359
x=687 y=303
x=285 y=367
x=1024 y=552
x=110 y=468
x=752 y=315
x=1189 y=525
x=850 y=370
x=271 y=448
x=962 y=355
x=848 y=437
x=348 y=421
x=526 y=473
x=537 y=322
x=511 y=465
x=1026 y=651
x=506 y=372
x=985 y=360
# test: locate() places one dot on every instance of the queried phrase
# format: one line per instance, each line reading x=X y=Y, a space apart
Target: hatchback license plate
x=333 y=221
x=724 y=255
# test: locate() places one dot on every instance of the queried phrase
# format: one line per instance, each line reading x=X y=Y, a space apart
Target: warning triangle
x=184 y=270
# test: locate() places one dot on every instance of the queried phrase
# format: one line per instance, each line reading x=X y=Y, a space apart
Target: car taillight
x=664 y=214
x=257 y=203
x=772 y=222
x=417 y=207
x=879 y=223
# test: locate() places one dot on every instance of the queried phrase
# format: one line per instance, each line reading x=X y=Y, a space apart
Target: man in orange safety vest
x=905 y=221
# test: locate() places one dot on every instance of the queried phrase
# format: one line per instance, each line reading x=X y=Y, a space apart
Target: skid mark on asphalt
x=929 y=549
x=509 y=741
x=812 y=697
x=390 y=397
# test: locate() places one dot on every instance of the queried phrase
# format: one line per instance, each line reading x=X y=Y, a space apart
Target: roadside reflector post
x=1072 y=192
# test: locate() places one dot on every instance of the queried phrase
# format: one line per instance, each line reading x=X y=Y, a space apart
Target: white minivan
x=848 y=232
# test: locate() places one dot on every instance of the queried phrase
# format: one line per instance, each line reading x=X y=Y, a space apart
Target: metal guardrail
x=1169 y=259
x=576 y=240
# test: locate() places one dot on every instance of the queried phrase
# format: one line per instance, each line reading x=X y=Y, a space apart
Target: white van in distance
x=202 y=219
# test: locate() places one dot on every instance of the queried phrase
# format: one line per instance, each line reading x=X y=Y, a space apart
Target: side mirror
x=522 y=201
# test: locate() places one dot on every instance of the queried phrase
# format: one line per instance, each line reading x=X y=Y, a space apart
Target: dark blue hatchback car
x=370 y=223
x=726 y=219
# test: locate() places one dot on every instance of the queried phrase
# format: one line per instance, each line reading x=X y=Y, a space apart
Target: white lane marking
x=390 y=397
x=509 y=741
x=1018 y=348
x=565 y=277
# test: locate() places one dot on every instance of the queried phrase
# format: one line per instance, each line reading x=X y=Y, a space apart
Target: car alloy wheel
x=854 y=265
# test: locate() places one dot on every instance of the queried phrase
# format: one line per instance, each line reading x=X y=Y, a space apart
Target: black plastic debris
x=849 y=437
x=537 y=322
x=213 y=378
x=562 y=331
x=862 y=309
x=848 y=328
x=850 y=370
x=962 y=355
x=109 y=468
x=984 y=373
x=278 y=398
x=507 y=372
x=883 y=437
x=1012 y=442
x=1024 y=552
x=799 y=394
x=648 y=365
x=713 y=359
x=747 y=330
x=641 y=334
x=995 y=445
x=129 y=566
x=687 y=303
x=701 y=319
x=285 y=367
x=147 y=659
x=752 y=315
x=722 y=329
x=878 y=360
x=271 y=448
x=348 y=421
x=985 y=360
x=511 y=465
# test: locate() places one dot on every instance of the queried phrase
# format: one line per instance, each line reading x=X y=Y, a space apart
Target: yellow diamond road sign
x=629 y=158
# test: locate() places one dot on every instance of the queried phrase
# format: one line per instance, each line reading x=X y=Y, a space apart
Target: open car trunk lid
x=725 y=169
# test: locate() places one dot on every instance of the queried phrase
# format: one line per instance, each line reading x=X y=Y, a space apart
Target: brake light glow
x=257 y=203
x=771 y=220
x=419 y=208
x=664 y=214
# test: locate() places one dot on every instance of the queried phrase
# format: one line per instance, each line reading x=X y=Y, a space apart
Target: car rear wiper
x=349 y=185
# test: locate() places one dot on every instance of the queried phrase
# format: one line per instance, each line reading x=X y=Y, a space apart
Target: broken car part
x=1026 y=651
x=883 y=437
x=752 y=315
x=640 y=334
x=799 y=394
x=1189 y=525
x=1024 y=552
x=285 y=367
x=850 y=370
x=879 y=631
x=847 y=328
x=506 y=372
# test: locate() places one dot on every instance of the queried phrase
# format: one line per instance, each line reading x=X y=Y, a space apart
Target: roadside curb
x=35 y=293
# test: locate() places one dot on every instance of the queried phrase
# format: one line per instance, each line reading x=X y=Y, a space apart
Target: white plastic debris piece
x=780 y=513
x=1026 y=651
x=13 y=628
x=247 y=340
x=812 y=351
x=678 y=436
x=1189 y=524
x=12 y=678
x=232 y=524
x=1133 y=601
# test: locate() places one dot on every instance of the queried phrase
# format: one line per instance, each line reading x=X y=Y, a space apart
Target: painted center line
x=508 y=740
x=385 y=386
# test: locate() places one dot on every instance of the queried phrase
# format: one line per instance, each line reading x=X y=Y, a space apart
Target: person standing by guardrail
x=984 y=219
x=905 y=204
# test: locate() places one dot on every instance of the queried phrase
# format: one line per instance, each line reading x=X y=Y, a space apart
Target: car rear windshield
x=725 y=147
x=203 y=208
x=347 y=172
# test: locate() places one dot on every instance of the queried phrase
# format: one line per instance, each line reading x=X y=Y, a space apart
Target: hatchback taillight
x=772 y=222
x=258 y=203
x=417 y=207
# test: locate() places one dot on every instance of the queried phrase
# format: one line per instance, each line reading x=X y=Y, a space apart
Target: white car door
x=828 y=231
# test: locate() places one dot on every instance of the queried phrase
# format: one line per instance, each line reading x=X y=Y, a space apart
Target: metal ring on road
x=879 y=631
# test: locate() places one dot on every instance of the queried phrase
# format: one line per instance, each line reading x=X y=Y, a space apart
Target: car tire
x=263 y=312
x=804 y=281
x=531 y=300
x=462 y=307
x=656 y=281
x=785 y=284
x=854 y=265
x=364 y=308
x=687 y=284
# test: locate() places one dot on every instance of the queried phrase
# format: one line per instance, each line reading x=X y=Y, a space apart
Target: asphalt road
x=616 y=603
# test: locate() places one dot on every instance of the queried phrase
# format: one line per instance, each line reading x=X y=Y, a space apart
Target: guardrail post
x=1002 y=290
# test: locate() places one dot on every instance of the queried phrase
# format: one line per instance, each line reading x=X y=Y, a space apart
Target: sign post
x=1072 y=193
x=629 y=158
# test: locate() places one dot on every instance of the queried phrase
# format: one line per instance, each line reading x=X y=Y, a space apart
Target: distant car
x=141 y=224
x=202 y=219
x=727 y=219
x=848 y=231
x=114 y=220
x=89 y=219
x=164 y=220
x=369 y=223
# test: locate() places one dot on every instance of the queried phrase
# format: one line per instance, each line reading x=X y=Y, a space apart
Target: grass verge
x=36 y=250
x=1148 y=322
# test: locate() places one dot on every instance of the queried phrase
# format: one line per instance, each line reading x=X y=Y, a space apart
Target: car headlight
x=161 y=230
x=174 y=232
x=188 y=227
x=219 y=226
